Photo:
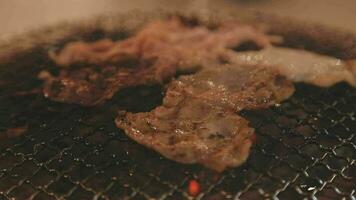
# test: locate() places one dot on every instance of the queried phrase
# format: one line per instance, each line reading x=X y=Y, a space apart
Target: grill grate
x=306 y=147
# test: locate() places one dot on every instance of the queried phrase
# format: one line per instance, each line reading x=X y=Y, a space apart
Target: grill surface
x=306 y=147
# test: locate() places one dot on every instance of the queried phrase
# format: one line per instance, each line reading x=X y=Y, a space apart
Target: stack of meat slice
x=198 y=121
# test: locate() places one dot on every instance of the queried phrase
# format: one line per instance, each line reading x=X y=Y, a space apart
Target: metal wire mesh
x=306 y=148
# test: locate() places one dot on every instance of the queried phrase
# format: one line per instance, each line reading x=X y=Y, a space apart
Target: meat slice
x=236 y=87
x=89 y=86
x=91 y=73
x=169 y=39
x=197 y=122
x=189 y=130
x=299 y=65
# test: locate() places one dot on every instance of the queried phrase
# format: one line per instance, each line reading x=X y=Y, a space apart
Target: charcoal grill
x=306 y=146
